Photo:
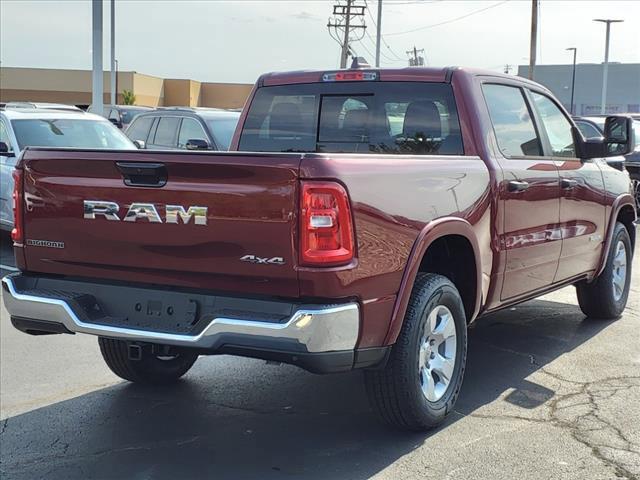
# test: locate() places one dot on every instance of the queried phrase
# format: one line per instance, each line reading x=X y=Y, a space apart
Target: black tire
x=597 y=299
x=150 y=369
x=395 y=391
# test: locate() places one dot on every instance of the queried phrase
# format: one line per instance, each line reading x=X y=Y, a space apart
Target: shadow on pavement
x=240 y=418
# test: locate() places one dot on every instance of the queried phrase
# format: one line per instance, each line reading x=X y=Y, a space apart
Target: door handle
x=517 y=186
x=141 y=174
x=568 y=183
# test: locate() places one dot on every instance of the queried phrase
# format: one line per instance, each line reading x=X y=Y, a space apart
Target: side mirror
x=116 y=122
x=4 y=150
x=140 y=145
x=618 y=135
x=197 y=144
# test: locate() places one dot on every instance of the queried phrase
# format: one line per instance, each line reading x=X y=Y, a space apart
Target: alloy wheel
x=436 y=360
x=619 y=279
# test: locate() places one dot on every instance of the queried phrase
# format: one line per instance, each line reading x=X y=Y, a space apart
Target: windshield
x=130 y=113
x=365 y=117
x=75 y=133
x=222 y=130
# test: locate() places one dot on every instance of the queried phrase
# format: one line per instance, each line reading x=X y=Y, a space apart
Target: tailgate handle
x=143 y=174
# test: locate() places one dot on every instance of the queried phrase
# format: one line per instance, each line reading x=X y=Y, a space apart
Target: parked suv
x=43 y=125
x=120 y=115
x=183 y=128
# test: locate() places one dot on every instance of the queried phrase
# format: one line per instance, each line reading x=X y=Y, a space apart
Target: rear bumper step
x=328 y=333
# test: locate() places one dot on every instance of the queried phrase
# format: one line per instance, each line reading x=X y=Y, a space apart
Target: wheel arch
x=442 y=233
x=622 y=210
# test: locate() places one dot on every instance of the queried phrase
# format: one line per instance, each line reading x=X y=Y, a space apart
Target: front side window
x=515 y=133
x=377 y=117
x=167 y=132
x=73 y=133
x=556 y=125
x=190 y=130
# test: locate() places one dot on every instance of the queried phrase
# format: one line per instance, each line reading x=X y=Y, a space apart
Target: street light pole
x=97 y=82
x=605 y=70
x=573 y=77
x=113 y=53
x=533 y=47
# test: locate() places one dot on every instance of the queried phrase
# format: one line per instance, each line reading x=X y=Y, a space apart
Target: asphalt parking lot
x=547 y=395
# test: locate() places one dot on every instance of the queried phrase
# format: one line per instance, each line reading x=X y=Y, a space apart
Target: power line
x=386 y=57
x=449 y=21
x=397 y=57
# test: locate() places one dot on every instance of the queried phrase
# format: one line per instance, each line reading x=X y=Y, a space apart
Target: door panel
x=582 y=216
x=532 y=237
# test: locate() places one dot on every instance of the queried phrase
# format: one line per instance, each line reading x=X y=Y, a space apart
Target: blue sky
x=235 y=41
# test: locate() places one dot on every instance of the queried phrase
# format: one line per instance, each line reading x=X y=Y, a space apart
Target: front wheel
x=150 y=368
x=636 y=192
x=606 y=296
x=421 y=381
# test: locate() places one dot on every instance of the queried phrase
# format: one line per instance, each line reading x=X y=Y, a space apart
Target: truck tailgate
x=246 y=246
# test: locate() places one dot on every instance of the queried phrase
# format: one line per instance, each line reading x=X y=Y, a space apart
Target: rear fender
x=430 y=233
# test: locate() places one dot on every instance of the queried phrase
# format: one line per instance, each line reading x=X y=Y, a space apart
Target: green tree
x=128 y=97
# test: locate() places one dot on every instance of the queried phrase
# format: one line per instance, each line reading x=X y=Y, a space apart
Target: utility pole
x=378 y=33
x=507 y=69
x=414 y=59
x=573 y=76
x=347 y=14
x=534 y=38
x=97 y=85
x=344 y=55
x=114 y=93
x=605 y=70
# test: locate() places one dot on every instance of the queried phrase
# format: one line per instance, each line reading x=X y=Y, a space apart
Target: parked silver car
x=21 y=127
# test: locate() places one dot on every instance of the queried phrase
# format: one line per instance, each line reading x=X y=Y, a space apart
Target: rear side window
x=365 y=117
x=512 y=123
x=139 y=129
x=167 y=132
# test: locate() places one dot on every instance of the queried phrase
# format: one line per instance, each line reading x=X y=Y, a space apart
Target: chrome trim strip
x=317 y=329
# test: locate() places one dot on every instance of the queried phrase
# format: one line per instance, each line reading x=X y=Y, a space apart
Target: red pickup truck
x=381 y=212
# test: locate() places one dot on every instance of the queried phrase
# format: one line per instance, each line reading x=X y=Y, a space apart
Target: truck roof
x=406 y=74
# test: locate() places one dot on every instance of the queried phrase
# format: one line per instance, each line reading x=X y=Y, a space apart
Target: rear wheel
x=151 y=368
x=421 y=381
x=606 y=296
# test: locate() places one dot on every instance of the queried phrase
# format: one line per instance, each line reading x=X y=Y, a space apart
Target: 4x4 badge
x=263 y=260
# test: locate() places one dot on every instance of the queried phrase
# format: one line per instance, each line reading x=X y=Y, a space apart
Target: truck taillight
x=17 y=234
x=326 y=234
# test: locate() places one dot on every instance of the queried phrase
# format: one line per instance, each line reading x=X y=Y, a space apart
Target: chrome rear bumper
x=310 y=329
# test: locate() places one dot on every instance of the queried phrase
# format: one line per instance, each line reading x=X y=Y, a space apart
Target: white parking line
x=7 y=267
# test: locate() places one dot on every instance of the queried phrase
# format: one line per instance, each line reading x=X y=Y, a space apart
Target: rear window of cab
x=354 y=117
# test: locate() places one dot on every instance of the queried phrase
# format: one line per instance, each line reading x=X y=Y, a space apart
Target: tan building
x=74 y=87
